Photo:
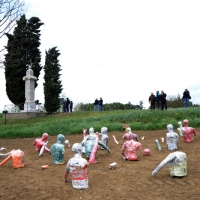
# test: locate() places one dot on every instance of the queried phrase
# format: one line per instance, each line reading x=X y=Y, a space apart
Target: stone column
x=29 y=90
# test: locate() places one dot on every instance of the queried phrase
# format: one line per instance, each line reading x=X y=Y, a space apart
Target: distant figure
x=152 y=101
x=186 y=98
x=57 y=150
x=77 y=166
x=171 y=138
x=163 y=100
x=101 y=104
x=158 y=100
x=177 y=162
x=39 y=142
x=64 y=105
x=71 y=106
x=96 y=103
x=67 y=104
x=188 y=131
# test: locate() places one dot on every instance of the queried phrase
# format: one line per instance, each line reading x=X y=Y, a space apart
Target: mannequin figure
x=130 y=147
x=57 y=150
x=104 y=136
x=89 y=142
x=171 y=138
x=177 y=164
x=188 y=131
x=77 y=166
x=128 y=131
x=38 y=143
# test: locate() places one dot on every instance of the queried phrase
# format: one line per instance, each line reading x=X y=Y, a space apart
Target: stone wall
x=24 y=115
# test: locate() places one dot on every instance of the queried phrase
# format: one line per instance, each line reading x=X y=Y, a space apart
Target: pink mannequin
x=188 y=131
x=38 y=143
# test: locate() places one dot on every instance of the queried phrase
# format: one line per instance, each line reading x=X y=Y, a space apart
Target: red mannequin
x=38 y=143
x=188 y=131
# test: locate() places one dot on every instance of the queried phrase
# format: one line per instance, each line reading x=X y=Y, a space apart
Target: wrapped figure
x=104 y=136
x=171 y=138
x=39 y=142
x=57 y=150
x=89 y=142
x=188 y=131
x=177 y=162
x=77 y=167
x=128 y=132
x=130 y=147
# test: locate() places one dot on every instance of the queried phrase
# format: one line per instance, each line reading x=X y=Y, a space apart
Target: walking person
x=96 y=103
x=163 y=100
x=152 y=101
x=186 y=98
x=101 y=104
x=158 y=103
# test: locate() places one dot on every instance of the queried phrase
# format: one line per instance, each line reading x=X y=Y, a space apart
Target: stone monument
x=29 y=90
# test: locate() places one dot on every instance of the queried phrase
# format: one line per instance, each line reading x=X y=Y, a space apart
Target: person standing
x=64 y=105
x=158 y=100
x=71 y=106
x=67 y=104
x=96 y=103
x=186 y=98
x=152 y=101
x=163 y=100
x=101 y=104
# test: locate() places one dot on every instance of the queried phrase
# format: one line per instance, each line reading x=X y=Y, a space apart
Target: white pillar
x=29 y=90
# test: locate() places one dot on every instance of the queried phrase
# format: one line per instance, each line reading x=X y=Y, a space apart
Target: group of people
x=67 y=105
x=98 y=104
x=160 y=100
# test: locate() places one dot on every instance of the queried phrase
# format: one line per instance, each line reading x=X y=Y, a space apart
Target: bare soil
x=129 y=180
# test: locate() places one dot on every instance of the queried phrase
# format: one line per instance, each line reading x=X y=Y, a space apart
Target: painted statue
x=177 y=162
x=188 y=131
x=104 y=136
x=17 y=157
x=77 y=167
x=128 y=132
x=171 y=138
x=130 y=147
x=89 y=142
x=57 y=150
x=40 y=142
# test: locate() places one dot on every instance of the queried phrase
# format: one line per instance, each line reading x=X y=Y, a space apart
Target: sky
x=120 y=50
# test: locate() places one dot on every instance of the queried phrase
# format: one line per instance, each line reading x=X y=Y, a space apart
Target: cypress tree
x=52 y=84
x=22 y=52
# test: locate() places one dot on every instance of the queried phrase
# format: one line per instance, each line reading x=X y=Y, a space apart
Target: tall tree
x=10 y=11
x=52 y=85
x=22 y=52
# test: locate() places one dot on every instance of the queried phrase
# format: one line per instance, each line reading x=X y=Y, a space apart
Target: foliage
x=22 y=52
x=52 y=85
x=10 y=11
x=76 y=121
x=108 y=107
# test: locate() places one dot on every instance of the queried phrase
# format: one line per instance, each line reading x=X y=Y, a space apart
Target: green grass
x=74 y=122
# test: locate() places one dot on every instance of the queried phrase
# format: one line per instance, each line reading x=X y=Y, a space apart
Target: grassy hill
x=73 y=123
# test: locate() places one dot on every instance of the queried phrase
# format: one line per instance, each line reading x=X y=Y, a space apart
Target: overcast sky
x=120 y=50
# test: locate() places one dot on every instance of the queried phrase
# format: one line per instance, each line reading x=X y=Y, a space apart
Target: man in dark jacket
x=163 y=100
x=101 y=104
x=152 y=101
x=186 y=98
x=67 y=104
x=158 y=100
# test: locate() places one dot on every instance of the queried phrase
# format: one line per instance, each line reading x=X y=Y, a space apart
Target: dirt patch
x=129 y=180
